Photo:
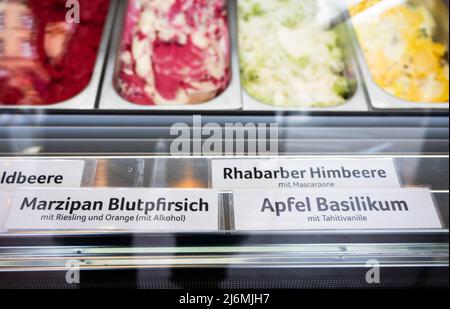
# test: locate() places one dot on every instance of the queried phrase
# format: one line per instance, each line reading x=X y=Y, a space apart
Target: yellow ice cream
x=361 y=6
x=401 y=52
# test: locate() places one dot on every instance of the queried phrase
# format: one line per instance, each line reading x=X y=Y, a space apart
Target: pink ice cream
x=43 y=59
x=174 y=52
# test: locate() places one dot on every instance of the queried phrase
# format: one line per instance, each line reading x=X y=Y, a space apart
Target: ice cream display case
x=224 y=143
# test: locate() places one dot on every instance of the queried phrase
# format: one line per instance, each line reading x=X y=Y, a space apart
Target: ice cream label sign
x=113 y=209
x=340 y=209
x=41 y=173
x=304 y=174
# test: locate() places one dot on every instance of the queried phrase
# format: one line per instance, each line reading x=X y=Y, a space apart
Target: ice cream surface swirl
x=174 y=52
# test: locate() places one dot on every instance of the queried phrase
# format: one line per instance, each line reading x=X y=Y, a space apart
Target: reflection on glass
x=43 y=58
x=189 y=176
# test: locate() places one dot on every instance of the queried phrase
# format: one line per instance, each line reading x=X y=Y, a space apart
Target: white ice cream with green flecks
x=287 y=58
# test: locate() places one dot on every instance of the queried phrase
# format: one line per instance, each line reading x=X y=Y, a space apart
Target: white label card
x=114 y=209
x=335 y=210
x=3 y=210
x=41 y=173
x=304 y=174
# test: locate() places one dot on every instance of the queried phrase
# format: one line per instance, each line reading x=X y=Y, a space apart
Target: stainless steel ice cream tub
x=110 y=99
x=356 y=101
x=87 y=98
x=380 y=98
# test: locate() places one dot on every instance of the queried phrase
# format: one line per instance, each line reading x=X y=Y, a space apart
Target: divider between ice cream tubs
x=110 y=99
x=87 y=98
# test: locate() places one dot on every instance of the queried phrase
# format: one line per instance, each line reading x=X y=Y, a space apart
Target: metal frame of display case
x=99 y=133
x=237 y=259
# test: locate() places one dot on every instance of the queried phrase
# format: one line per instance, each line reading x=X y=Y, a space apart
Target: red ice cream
x=44 y=59
x=174 y=52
